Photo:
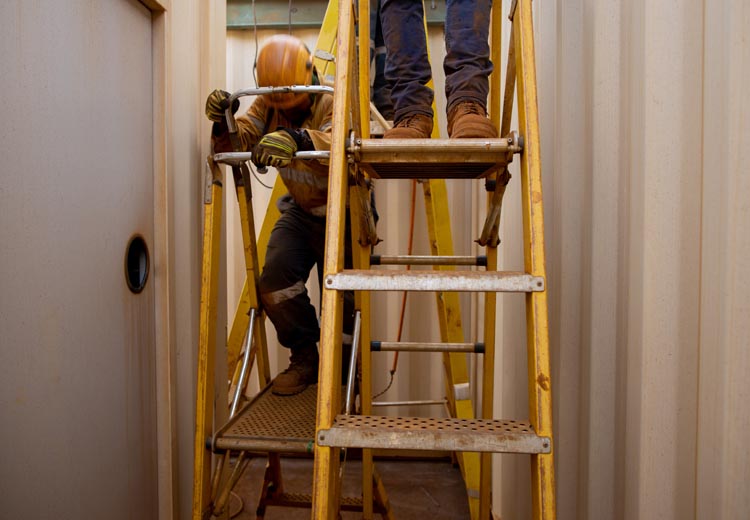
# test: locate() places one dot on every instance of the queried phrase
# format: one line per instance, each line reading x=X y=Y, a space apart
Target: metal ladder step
x=425 y=433
x=459 y=281
x=434 y=158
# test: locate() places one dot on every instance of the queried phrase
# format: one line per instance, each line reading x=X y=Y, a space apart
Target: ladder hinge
x=212 y=176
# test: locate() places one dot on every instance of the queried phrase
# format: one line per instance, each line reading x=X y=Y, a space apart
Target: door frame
x=166 y=415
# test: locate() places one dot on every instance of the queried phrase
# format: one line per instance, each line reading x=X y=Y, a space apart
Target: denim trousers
x=467 y=62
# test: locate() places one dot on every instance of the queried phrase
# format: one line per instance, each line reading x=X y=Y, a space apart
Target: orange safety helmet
x=282 y=62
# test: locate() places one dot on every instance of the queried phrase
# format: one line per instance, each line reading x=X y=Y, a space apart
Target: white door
x=77 y=405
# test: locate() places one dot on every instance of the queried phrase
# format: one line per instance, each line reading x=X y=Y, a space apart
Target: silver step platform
x=402 y=280
x=284 y=424
x=428 y=433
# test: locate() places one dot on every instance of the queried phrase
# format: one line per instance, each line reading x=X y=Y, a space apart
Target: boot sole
x=289 y=391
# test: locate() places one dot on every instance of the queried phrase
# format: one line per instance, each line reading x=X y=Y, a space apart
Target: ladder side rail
x=362 y=302
x=540 y=400
x=325 y=470
x=490 y=298
x=241 y=315
x=204 y=413
x=252 y=271
x=361 y=248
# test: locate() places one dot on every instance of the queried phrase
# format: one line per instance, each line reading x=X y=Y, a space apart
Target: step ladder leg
x=361 y=248
x=540 y=396
x=488 y=387
x=241 y=315
x=253 y=266
x=490 y=239
x=325 y=472
x=204 y=413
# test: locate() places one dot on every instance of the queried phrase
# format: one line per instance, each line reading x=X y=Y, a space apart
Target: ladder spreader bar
x=408 y=346
x=427 y=260
x=237 y=158
x=469 y=281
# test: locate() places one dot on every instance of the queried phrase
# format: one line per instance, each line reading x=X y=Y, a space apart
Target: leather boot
x=411 y=126
x=301 y=372
x=469 y=119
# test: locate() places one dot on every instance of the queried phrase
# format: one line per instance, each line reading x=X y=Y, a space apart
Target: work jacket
x=306 y=180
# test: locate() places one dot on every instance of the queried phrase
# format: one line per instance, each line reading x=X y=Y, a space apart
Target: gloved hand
x=275 y=149
x=216 y=104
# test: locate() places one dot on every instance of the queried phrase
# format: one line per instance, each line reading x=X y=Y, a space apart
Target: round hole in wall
x=136 y=264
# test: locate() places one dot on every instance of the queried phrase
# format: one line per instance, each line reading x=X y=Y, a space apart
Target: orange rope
x=409 y=251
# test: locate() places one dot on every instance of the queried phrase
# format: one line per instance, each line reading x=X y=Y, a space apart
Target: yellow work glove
x=217 y=103
x=275 y=149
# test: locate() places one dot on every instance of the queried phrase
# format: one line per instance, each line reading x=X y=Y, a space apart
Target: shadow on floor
x=417 y=489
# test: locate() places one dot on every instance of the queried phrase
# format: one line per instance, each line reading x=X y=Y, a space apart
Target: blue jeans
x=467 y=62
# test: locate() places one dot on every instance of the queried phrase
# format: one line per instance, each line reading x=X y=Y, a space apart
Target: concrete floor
x=417 y=489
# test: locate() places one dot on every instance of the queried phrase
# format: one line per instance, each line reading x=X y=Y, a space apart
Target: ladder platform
x=434 y=158
x=427 y=433
x=458 y=281
x=284 y=424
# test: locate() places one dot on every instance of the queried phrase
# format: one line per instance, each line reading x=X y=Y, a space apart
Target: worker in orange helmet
x=275 y=127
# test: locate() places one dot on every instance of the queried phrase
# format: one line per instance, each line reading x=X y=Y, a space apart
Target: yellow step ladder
x=226 y=438
x=465 y=159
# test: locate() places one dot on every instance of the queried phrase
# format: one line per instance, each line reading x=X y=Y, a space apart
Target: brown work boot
x=411 y=126
x=301 y=372
x=469 y=119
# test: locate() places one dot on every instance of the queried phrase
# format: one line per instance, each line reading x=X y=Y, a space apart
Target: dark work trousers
x=467 y=62
x=295 y=246
x=380 y=91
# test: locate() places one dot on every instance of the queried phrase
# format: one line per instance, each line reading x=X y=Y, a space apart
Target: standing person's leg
x=407 y=68
x=467 y=67
x=380 y=91
x=289 y=260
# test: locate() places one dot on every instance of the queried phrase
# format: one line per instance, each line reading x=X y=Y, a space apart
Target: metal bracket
x=512 y=12
x=213 y=175
x=325 y=55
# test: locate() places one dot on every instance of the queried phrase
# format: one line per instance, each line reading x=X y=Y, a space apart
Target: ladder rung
x=409 y=346
x=463 y=281
x=434 y=158
x=425 y=433
x=427 y=260
x=304 y=500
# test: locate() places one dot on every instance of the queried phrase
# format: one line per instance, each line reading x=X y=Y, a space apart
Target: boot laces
x=469 y=107
x=410 y=121
x=299 y=362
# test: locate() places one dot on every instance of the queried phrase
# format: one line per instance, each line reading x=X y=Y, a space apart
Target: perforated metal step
x=272 y=423
x=402 y=280
x=425 y=433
